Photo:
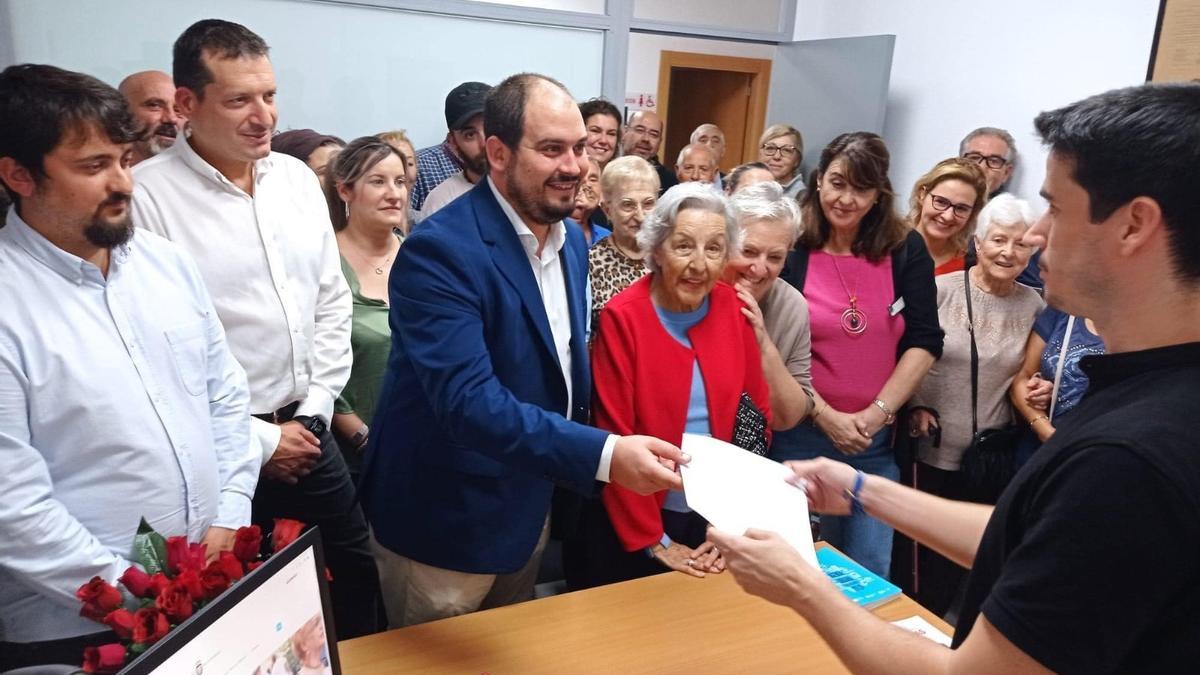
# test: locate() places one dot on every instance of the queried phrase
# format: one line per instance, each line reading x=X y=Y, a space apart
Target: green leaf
x=149 y=549
x=138 y=647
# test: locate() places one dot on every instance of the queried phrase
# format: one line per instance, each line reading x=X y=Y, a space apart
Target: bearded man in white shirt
x=119 y=399
x=258 y=226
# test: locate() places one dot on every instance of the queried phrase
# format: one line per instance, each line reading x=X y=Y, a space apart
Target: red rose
x=285 y=532
x=121 y=621
x=184 y=556
x=253 y=566
x=149 y=626
x=176 y=602
x=138 y=583
x=99 y=598
x=247 y=543
x=230 y=565
x=189 y=579
x=158 y=584
x=103 y=659
x=215 y=581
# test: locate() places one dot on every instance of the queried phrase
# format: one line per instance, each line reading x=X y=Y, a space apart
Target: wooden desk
x=661 y=624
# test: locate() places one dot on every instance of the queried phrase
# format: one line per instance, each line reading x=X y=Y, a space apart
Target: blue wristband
x=856 y=506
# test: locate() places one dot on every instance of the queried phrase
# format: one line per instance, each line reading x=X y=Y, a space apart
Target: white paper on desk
x=916 y=624
x=736 y=490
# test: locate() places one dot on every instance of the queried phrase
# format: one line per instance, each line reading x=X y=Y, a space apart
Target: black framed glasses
x=940 y=203
x=990 y=161
x=770 y=150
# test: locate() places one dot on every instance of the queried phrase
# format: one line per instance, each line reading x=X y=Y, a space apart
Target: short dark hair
x=739 y=172
x=1141 y=141
x=504 y=110
x=224 y=39
x=41 y=105
x=867 y=160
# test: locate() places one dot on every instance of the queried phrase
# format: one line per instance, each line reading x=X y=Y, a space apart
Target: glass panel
x=585 y=6
x=750 y=15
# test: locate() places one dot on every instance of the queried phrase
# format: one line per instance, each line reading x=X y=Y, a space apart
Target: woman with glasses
x=781 y=149
x=1002 y=312
x=873 y=320
x=943 y=208
x=629 y=191
x=367 y=191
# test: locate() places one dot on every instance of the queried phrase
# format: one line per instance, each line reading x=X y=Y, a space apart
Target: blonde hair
x=624 y=170
x=954 y=168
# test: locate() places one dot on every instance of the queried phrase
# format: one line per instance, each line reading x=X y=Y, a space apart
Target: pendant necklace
x=854 y=322
x=378 y=268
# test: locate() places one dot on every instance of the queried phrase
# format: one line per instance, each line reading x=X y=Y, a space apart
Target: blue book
x=859 y=584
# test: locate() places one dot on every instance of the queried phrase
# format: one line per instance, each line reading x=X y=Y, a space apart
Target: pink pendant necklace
x=854 y=322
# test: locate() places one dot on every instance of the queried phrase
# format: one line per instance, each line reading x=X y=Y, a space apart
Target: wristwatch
x=315 y=425
x=889 y=415
x=359 y=439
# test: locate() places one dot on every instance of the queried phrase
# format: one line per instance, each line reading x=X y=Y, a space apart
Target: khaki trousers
x=414 y=592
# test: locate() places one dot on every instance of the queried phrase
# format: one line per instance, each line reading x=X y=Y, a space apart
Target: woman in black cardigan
x=868 y=279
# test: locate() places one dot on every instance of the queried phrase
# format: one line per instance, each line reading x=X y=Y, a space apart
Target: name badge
x=896 y=307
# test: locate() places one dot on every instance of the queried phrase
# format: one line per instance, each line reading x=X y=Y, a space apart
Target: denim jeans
x=863 y=538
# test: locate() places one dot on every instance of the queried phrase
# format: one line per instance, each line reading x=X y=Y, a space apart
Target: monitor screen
x=275 y=621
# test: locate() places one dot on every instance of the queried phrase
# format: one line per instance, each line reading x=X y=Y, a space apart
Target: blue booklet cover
x=858 y=583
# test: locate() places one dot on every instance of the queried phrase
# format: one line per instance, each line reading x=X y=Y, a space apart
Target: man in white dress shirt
x=119 y=399
x=257 y=224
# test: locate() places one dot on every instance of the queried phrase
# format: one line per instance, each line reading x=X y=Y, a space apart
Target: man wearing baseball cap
x=461 y=154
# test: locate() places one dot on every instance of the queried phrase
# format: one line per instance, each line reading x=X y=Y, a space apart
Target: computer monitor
x=277 y=620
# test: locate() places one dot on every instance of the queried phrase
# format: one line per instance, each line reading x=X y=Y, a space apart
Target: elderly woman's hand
x=1039 y=392
x=752 y=312
x=921 y=421
x=843 y=432
x=691 y=561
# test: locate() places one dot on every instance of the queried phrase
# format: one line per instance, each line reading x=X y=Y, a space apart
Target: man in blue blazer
x=485 y=402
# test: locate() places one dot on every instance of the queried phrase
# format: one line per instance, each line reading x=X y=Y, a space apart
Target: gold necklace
x=378 y=268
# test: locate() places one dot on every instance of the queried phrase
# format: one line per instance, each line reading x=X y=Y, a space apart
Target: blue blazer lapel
x=575 y=273
x=509 y=257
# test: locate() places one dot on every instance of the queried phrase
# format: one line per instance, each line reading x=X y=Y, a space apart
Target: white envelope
x=736 y=490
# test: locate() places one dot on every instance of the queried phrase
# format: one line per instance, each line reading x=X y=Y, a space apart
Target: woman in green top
x=367 y=191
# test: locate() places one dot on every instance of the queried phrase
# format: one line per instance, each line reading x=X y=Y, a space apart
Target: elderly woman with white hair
x=673 y=354
x=770 y=226
x=997 y=316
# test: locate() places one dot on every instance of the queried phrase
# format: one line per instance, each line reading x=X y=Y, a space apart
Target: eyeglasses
x=628 y=207
x=940 y=203
x=771 y=150
x=992 y=161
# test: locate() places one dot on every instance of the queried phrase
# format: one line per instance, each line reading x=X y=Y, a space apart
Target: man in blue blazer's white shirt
x=485 y=402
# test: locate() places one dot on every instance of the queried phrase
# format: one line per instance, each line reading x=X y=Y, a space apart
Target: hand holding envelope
x=736 y=490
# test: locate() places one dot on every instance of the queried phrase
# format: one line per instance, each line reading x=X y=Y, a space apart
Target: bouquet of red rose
x=173 y=581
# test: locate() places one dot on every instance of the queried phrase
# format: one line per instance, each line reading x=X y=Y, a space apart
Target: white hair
x=1004 y=209
x=702 y=128
x=766 y=202
x=661 y=222
x=694 y=147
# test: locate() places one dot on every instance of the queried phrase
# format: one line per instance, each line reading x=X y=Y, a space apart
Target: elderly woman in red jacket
x=673 y=353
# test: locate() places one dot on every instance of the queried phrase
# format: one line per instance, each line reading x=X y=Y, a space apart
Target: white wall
x=960 y=65
x=341 y=69
x=644 y=51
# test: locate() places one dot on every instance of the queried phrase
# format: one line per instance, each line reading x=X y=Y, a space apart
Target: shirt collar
x=558 y=231
x=201 y=166
x=1110 y=369
x=68 y=265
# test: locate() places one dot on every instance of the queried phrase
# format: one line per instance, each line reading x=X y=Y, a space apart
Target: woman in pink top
x=868 y=279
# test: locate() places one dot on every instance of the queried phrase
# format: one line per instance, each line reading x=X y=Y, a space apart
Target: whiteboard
x=341 y=69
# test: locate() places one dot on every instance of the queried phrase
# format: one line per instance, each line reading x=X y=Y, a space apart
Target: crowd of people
x=442 y=357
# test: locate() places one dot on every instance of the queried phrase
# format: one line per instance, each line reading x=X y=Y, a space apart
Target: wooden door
x=730 y=92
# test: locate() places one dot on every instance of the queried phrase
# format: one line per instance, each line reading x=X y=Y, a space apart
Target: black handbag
x=989 y=463
x=750 y=427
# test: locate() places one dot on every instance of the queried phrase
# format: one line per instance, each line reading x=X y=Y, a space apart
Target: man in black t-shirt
x=1090 y=562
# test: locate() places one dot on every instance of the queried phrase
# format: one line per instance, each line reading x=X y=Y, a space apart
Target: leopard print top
x=611 y=272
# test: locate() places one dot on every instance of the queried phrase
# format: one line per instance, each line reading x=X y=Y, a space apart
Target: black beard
x=108 y=233
x=541 y=212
